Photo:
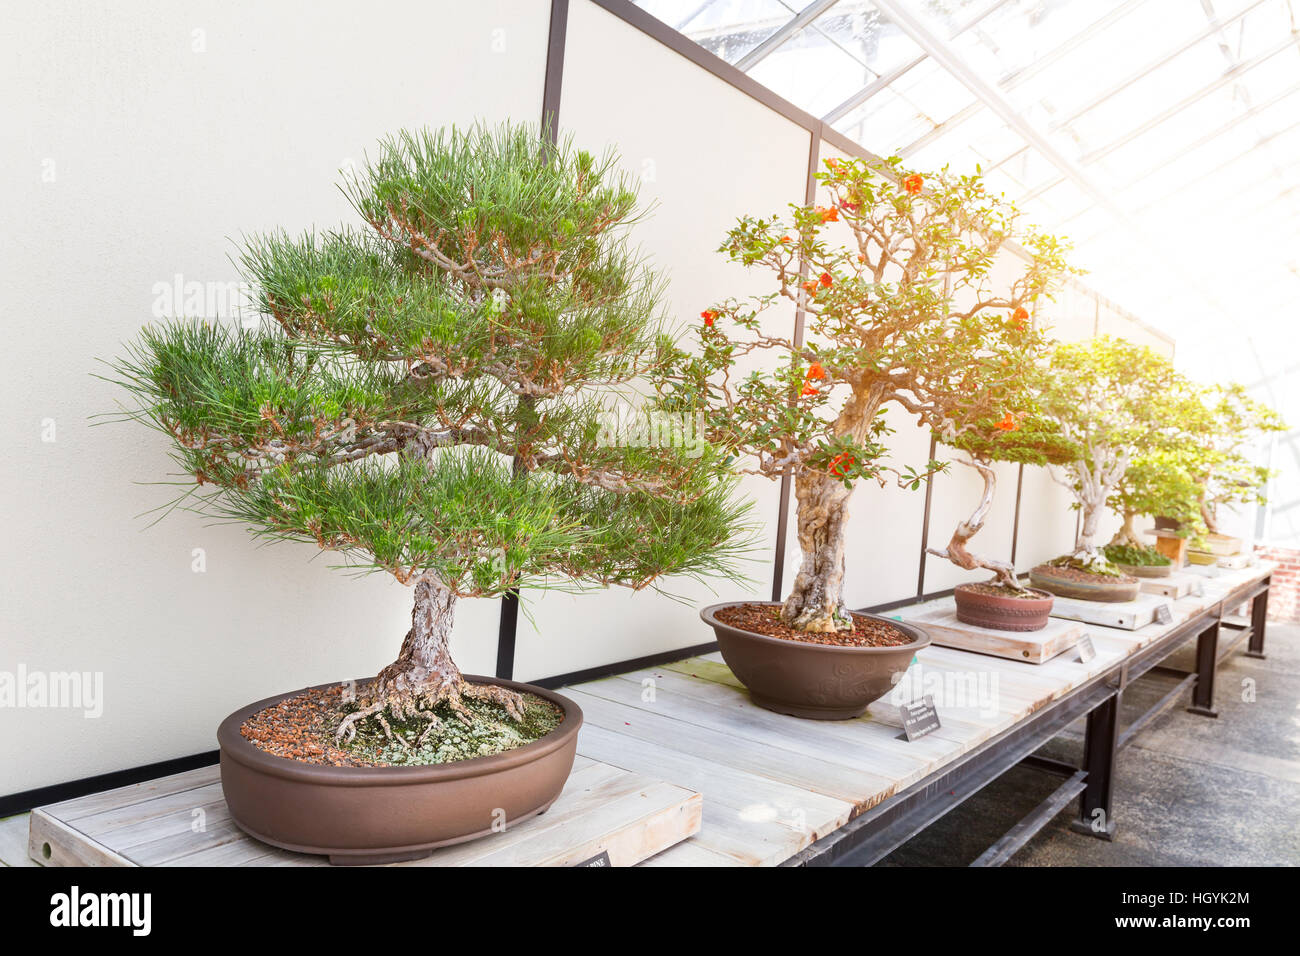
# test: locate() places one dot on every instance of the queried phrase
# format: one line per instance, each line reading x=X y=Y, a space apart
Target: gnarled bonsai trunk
x=957 y=553
x=424 y=675
x=1209 y=516
x=1127 y=535
x=816 y=602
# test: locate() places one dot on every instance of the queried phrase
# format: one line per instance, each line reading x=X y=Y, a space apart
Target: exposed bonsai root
x=424 y=677
x=407 y=705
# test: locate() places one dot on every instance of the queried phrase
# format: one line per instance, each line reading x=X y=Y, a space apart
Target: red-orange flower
x=913 y=183
x=815 y=370
x=841 y=464
x=786 y=239
x=828 y=213
x=1019 y=317
x=808 y=389
x=825 y=279
x=1008 y=423
x=810 y=286
x=708 y=315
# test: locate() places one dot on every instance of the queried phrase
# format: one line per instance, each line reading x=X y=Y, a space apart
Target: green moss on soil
x=1135 y=557
x=490 y=731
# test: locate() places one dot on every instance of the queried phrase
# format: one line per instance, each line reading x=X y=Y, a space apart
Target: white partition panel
x=956 y=494
x=706 y=153
x=1047 y=520
x=139 y=138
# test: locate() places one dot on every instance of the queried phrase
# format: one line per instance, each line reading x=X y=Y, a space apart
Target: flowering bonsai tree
x=1023 y=438
x=423 y=398
x=1115 y=401
x=893 y=277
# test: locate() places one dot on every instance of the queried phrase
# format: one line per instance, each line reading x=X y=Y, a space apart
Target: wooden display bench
x=606 y=816
x=1125 y=615
x=939 y=619
x=1176 y=585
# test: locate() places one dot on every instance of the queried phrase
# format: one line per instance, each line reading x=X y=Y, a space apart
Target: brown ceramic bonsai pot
x=1147 y=570
x=1003 y=612
x=1067 y=583
x=359 y=815
x=816 y=681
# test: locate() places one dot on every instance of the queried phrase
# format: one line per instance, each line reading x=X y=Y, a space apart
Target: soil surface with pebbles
x=765 y=619
x=302 y=728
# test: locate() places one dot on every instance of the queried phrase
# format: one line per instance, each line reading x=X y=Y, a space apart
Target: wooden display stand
x=1126 y=615
x=939 y=619
x=606 y=816
x=1173 y=587
x=1171 y=546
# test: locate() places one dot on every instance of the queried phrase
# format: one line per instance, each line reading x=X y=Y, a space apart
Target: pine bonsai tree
x=1115 y=401
x=428 y=397
x=894 y=277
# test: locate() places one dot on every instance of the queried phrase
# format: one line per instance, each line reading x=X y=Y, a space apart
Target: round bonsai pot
x=1067 y=583
x=816 y=681
x=1002 y=612
x=359 y=815
x=1147 y=570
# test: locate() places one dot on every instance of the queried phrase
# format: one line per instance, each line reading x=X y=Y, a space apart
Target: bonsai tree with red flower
x=1025 y=438
x=1116 y=402
x=893 y=278
x=425 y=398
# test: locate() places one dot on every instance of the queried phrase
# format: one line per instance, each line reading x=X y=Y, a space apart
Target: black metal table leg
x=1258 y=619
x=1207 y=654
x=1099 y=750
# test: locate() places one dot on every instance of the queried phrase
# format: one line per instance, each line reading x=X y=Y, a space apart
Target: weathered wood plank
x=52 y=842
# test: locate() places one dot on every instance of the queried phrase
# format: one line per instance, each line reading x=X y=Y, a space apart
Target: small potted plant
x=1114 y=400
x=893 y=277
x=1159 y=482
x=1003 y=602
x=418 y=400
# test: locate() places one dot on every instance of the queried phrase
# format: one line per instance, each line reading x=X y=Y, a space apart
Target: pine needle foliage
x=430 y=394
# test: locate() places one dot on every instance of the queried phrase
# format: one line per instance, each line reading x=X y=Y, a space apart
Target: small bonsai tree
x=1226 y=472
x=425 y=398
x=899 y=307
x=1020 y=437
x=1115 y=401
x=1158 y=483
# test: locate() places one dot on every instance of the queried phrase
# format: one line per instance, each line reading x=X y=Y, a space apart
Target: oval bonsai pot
x=815 y=681
x=1147 y=570
x=360 y=815
x=1003 y=612
x=1097 y=587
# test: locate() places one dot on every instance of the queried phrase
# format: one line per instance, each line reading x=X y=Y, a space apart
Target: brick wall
x=1284 y=595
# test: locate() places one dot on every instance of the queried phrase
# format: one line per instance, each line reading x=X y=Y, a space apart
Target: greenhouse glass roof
x=1161 y=136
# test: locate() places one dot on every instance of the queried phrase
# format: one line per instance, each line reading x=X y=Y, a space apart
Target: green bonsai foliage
x=1115 y=401
x=894 y=281
x=427 y=397
x=1227 y=473
x=1200 y=460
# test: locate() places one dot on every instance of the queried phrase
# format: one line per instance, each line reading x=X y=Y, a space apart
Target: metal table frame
x=874 y=834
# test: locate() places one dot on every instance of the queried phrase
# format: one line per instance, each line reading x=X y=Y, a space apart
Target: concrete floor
x=1189 y=790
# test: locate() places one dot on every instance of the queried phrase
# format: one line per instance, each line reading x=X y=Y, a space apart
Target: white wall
x=159 y=153
x=674 y=131
x=134 y=147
